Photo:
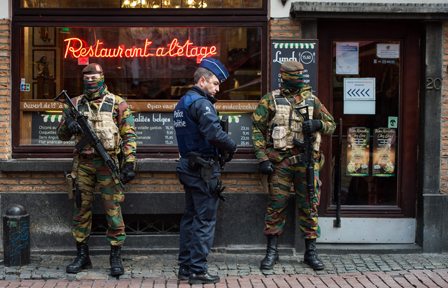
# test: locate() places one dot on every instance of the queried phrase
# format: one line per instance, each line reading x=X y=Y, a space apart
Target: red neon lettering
x=78 y=48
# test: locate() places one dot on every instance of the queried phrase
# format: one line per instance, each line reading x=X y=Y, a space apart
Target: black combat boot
x=116 y=267
x=271 y=253
x=203 y=278
x=82 y=260
x=311 y=256
x=183 y=274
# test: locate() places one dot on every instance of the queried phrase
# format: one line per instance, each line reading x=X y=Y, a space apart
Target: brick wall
x=144 y=182
x=5 y=90
x=284 y=28
x=444 y=159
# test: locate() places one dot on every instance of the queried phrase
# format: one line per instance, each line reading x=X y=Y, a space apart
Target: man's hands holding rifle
x=311 y=126
x=73 y=126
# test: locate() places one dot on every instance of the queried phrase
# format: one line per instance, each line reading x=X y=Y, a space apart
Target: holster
x=265 y=183
x=219 y=190
x=195 y=161
x=70 y=178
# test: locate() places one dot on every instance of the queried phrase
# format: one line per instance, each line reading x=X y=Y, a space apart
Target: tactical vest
x=187 y=131
x=102 y=122
x=288 y=125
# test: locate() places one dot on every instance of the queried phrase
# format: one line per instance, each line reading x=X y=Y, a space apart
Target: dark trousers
x=197 y=227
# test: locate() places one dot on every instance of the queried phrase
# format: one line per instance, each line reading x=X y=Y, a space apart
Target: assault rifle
x=91 y=138
x=224 y=121
x=308 y=152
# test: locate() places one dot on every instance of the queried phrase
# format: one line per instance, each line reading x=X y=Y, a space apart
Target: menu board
x=152 y=128
x=43 y=129
x=303 y=51
x=358 y=151
x=384 y=144
x=240 y=128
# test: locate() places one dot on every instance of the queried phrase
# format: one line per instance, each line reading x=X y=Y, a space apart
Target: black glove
x=73 y=126
x=311 y=126
x=232 y=153
x=266 y=167
x=128 y=174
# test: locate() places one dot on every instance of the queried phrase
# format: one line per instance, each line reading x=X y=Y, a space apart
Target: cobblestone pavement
x=238 y=270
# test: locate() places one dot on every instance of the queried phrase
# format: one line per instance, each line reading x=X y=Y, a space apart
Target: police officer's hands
x=73 y=126
x=128 y=174
x=231 y=153
x=311 y=126
x=266 y=167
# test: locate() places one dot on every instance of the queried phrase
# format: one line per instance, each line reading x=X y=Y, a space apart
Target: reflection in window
x=140 y=62
x=154 y=4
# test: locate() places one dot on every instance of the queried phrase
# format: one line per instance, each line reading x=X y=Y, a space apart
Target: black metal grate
x=141 y=224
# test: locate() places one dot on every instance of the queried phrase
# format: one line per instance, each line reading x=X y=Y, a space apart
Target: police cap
x=215 y=67
x=92 y=68
x=292 y=66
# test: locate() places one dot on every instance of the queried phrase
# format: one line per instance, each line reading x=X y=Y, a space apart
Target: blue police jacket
x=198 y=129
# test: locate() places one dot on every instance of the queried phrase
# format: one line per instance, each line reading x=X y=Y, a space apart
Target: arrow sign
x=359 y=89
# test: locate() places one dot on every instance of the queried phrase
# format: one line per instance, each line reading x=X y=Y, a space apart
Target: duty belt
x=195 y=161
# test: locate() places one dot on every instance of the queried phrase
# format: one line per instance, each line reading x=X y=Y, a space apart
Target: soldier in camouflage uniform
x=111 y=119
x=275 y=125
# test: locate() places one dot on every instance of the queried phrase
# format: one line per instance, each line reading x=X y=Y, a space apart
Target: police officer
x=111 y=119
x=199 y=135
x=275 y=125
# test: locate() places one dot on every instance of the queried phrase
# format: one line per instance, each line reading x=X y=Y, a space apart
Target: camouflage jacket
x=122 y=118
x=265 y=111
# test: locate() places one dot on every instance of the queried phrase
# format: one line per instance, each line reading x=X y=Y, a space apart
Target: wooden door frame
x=409 y=34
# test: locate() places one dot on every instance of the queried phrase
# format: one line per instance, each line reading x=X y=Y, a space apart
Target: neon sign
x=78 y=48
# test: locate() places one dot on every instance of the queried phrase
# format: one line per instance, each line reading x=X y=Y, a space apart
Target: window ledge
x=143 y=165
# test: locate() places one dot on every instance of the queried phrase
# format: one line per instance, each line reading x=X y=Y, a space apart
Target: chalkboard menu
x=43 y=129
x=152 y=128
x=155 y=128
x=303 y=51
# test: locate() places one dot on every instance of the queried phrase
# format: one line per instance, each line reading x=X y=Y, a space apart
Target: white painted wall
x=277 y=10
x=5 y=9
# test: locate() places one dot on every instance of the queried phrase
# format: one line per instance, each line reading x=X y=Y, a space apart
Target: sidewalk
x=238 y=270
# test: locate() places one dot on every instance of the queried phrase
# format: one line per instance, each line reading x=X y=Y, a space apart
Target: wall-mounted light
x=283 y=2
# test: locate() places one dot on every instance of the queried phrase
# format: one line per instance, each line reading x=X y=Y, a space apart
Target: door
x=368 y=77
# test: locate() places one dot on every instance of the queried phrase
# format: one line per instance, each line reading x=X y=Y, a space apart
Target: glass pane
x=379 y=186
x=141 y=64
x=192 y=3
x=212 y=4
x=49 y=3
x=29 y=4
x=233 y=3
x=110 y=3
x=252 y=3
x=69 y=4
x=90 y=3
x=171 y=3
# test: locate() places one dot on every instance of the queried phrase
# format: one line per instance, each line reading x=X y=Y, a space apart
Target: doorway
x=368 y=77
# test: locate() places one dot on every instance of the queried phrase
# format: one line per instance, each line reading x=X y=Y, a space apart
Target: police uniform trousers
x=90 y=172
x=197 y=227
x=281 y=180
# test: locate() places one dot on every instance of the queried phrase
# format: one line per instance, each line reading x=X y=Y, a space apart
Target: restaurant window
x=151 y=4
x=150 y=67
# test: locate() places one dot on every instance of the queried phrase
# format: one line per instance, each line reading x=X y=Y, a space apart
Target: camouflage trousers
x=280 y=183
x=90 y=172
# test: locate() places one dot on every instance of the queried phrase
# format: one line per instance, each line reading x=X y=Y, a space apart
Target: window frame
x=134 y=19
x=18 y=11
